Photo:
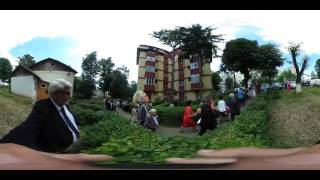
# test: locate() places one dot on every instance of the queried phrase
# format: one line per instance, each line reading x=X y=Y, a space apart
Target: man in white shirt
x=50 y=127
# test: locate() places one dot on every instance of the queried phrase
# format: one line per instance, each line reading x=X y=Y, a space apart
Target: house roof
x=56 y=61
x=28 y=70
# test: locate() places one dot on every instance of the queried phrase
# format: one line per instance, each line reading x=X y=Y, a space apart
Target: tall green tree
x=313 y=75
x=90 y=69
x=106 y=69
x=132 y=88
x=286 y=75
x=172 y=38
x=295 y=50
x=201 y=43
x=241 y=55
x=5 y=69
x=317 y=67
x=271 y=58
x=229 y=84
x=216 y=80
x=119 y=86
x=26 y=60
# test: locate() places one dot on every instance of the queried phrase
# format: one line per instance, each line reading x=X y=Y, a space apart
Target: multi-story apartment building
x=155 y=75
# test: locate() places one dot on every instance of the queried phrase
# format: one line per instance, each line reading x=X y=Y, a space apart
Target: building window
x=150 y=69
x=195 y=78
x=181 y=83
x=43 y=85
x=194 y=65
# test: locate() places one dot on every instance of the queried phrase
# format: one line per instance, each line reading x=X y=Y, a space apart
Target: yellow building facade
x=155 y=75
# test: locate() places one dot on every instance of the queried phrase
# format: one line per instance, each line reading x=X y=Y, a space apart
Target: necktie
x=68 y=121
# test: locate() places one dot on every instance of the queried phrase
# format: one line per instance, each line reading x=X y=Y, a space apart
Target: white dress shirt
x=70 y=116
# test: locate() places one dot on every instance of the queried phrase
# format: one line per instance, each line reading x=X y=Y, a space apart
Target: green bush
x=130 y=143
x=93 y=107
x=86 y=116
x=170 y=116
x=251 y=122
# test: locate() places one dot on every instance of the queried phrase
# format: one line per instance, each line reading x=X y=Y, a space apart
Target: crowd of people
x=212 y=113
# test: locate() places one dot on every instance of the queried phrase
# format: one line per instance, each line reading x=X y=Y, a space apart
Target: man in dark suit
x=50 y=127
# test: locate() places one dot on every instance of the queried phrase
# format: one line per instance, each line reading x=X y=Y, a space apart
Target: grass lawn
x=295 y=120
x=14 y=110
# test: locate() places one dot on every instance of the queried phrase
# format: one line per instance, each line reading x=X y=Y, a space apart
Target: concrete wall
x=24 y=86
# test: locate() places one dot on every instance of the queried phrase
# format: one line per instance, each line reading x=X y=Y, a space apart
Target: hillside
x=295 y=120
x=14 y=110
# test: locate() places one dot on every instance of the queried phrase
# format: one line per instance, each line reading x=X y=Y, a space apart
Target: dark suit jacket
x=43 y=130
x=208 y=118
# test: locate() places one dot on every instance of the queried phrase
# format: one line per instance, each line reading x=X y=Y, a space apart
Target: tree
x=200 y=43
x=216 y=80
x=317 y=67
x=106 y=69
x=5 y=69
x=133 y=88
x=172 y=38
x=286 y=75
x=271 y=58
x=119 y=85
x=241 y=55
x=229 y=84
x=313 y=75
x=26 y=60
x=295 y=50
x=90 y=69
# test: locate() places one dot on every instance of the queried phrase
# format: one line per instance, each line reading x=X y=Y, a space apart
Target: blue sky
x=69 y=35
x=44 y=47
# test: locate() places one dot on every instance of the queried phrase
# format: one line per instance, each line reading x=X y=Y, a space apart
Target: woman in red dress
x=187 y=117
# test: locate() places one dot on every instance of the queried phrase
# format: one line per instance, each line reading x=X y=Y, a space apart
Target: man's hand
x=13 y=156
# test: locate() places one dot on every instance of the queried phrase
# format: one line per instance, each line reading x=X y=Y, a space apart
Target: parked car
x=3 y=84
x=306 y=83
x=315 y=82
x=293 y=84
x=277 y=85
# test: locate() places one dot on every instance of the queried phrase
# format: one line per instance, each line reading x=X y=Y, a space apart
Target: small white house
x=33 y=81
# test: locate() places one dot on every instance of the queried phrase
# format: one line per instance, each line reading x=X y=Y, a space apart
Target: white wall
x=50 y=76
x=24 y=86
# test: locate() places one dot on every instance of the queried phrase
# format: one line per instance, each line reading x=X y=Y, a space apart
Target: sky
x=69 y=35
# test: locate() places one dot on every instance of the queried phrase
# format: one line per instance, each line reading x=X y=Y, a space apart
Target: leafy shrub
x=86 y=116
x=170 y=116
x=93 y=107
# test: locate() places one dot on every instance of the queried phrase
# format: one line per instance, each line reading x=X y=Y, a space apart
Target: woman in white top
x=222 y=108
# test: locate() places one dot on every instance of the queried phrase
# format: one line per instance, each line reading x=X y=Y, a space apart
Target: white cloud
x=117 y=34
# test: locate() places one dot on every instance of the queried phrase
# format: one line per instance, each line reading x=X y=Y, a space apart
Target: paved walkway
x=169 y=131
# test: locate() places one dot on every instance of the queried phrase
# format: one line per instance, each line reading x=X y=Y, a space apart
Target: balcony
x=149 y=74
x=149 y=87
x=195 y=86
x=150 y=63
x=195 y=71
x=181 y=88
